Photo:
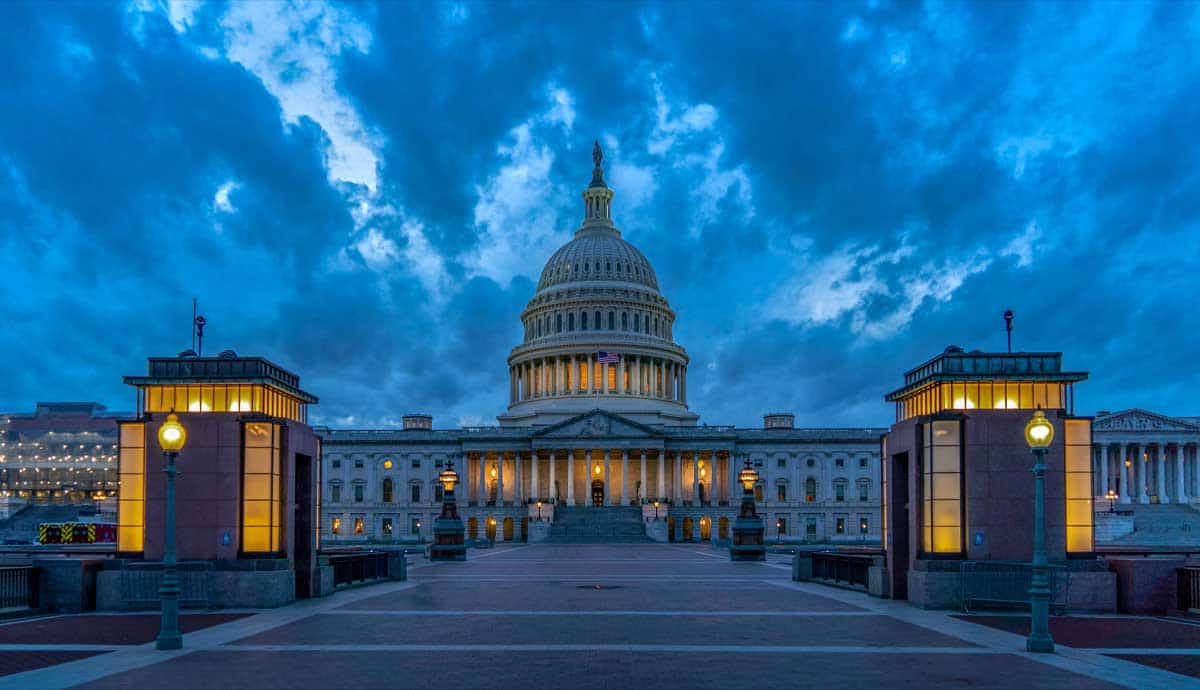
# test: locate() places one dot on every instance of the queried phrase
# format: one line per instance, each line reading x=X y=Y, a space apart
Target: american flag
x=608 y=357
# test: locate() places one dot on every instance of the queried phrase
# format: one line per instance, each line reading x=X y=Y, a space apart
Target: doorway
x=723 y=528
x=508 y=529
x=670 y=529
x=687 y=529
x=472 y=528
x=303 y=532
x=705 y=529
x=491 y=529
x=899 y=512
x=525 y=529
x=598 y=493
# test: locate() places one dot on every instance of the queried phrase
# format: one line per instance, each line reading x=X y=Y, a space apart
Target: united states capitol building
x=598 y=440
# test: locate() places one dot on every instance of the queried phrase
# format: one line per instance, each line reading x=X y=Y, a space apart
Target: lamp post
x=448 y=532
x=1039 y=432
x=1111 y=496
x=539 y=505
x=748 y=527
x=656 y=510
x=171 y=437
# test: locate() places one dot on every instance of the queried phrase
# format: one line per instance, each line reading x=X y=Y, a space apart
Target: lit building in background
x=598 y=429
x=955 y=468
x=60 y=453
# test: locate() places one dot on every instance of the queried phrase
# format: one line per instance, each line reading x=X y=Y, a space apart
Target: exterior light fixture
x=387 y=464
x=493 y=471
x=171 y=435
x=1111 y=496
x=448 y=477
x=596 y=470
x=1039 y=432
x=748 y=477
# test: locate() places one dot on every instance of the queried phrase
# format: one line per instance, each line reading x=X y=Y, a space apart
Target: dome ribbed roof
x=598 y=254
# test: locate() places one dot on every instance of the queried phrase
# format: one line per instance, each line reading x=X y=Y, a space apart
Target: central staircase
x=588 y=525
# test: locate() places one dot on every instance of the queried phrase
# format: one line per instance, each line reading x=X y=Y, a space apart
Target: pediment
x=597 y=424
x=1141 y=420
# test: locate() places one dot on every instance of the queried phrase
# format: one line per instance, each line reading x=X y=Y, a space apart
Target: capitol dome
x=598 y=333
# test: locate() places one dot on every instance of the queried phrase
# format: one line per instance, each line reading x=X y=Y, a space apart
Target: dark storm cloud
x=830 y=193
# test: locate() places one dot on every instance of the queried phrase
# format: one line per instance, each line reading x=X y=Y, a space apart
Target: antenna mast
x=1008 y=319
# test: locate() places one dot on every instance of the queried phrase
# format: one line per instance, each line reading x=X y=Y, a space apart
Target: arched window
x=624 y=319
x=387 y=489
x=583 y=321
x=637 y=322
x=656 y=326
x=539 y=328
x=571 y=321
x=608 y=265
x=598 y=325
x=558 y=323
x=810 y=490
x=612 y=321
x=585 y=266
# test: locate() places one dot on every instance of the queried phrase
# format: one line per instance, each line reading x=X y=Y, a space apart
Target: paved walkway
x=601 y=616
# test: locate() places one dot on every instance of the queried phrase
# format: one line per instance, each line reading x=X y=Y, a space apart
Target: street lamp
x=539 y=505
x=448 y=533
x=1039 y=432
x=171 y=437
x=748 y=527
x=656 y=510
x=1111 y=496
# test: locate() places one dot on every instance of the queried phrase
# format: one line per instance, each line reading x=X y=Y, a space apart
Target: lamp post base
x=448 y=542
x=1039 y=644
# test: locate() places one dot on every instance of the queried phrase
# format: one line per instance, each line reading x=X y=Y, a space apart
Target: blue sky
x=830 y=193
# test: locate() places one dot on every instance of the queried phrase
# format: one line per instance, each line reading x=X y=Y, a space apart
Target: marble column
x=1181 y=495
x=571 y=476
x=643 y=492
x=695 y=477
x=662 y=476
x=499 y=477
x=550 y=487
x=624 y=476
x=1160 y=461
x=483 y=497
x=1122 y=449
x=533 y=476
x=677 y=479
x=621 y=388
x=1195 y=470
x=608 y=489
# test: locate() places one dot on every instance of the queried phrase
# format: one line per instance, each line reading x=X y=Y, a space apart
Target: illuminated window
x=758 y=492
x=781 y=492
x=131 y=513
x=387 y=526
x=864 y=524
x=335 y=525
x=941 y=515
x=262 y=505
x=810 y=490
x=612 y=377
x=840 y=525
x=781 y=525
x=1078 y=444
x=358 y=525
x=583 y=376
x=387 y=490
x=222 y=398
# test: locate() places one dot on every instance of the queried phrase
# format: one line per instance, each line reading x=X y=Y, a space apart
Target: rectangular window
x=337 y=463
x=612 y=377
x=839 y=492
x=335 y=525
x=416 y=463
x=583 y=376
x=840 y=462
x=758 y=493
x=438 y=493
x=1078 y=479
x=358 y=525
x=781 y=463
x=840 y=525
x=387 y=527
x=862 y=463
x=416 y=493
x=414 y=524
x=358 y=463
x=810 y=529
x=131 y=500
x=781 y=525
x=781 y=492
x=864 y=491
x=941 y=514
x=262 y=500
x=864 y=524
x=358 y=493
x=335 y=493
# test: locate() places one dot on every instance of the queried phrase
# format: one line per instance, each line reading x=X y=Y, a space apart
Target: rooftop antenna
x=198 y=323
x=193 y=324
x=1008 y=318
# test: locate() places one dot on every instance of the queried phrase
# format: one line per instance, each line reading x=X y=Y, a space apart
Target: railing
x=352 y=568
x=1189 y=589
x=842 y=568
x=19 y=587
x=140 y=583
x=1006 y=584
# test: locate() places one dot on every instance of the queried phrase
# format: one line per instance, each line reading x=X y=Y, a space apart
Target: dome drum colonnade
x=597 y=293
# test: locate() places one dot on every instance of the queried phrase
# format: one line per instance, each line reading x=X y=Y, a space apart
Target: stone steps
x=589 y=525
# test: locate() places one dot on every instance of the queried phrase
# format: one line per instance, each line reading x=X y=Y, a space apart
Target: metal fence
x=18 y=587
x=1189 y=589
x=842 y=568
x=140 y=583
x=352 y=568
x=1005 y=584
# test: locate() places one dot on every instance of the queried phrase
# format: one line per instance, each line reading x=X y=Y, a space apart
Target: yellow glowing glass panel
x=222 y=398
x=262 y=516
x=131 y=501
x=583 y=376
x=941 y=514
x=1077 y=465
x=612 y=377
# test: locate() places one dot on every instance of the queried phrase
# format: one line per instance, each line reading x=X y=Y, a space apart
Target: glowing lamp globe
x=172 y=435
x=1039 y=432
x=748 y=477
x=448 y=477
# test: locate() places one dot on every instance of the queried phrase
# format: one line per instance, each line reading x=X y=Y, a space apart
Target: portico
x=1145 y=457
